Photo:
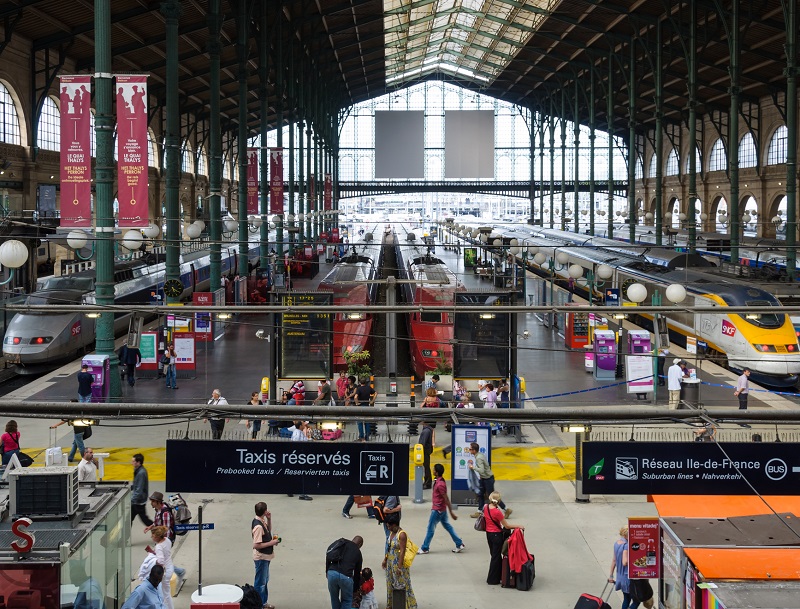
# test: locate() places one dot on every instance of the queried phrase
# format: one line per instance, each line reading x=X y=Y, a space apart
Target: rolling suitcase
x=589 y=601
x=526 y=575
x=508 y=579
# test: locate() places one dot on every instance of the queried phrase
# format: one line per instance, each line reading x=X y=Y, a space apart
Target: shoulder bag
x=480 y=523
x=411 y=551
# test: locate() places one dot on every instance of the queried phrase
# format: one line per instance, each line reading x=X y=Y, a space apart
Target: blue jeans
x=340 y=585
x=262 y=579
x=363 y=429
x=436 y=518
x=171 y=375
x=628 y=602
x=77 y=445
x=84 y=398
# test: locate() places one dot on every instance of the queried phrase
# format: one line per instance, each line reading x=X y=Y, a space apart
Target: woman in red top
x=10 y=441
x=495 y=523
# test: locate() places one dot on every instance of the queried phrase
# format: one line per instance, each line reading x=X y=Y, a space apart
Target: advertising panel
x=461 y=458
x=317 y=468
x=688 y=468
x=311 y=194
x=252 y=181
x=327 y=197
x=76 y=158
x=276 y=180
x=643 y=548
x=132 y=163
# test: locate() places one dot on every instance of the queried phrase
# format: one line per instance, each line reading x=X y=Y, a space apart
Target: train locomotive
x=427 y=281
x=39 y=341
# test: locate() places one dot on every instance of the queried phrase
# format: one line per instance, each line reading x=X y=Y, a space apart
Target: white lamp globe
x=151 y=231
x=76 y=239
x=301 y=218
x=514 y=250
x=624 y=213
x=575 y=271
x=562 y=257
x=132 y=240
x=681 y=216
x=514 y=242
x=721 y=219
x=668 y=216
x=584 y=212
x=13 y=253
x=256 y=221
x=648 y=216
x=676 y=293
x=532 y=249
x=290 y=218
x=497 y=242
x=540 y=258
x=475 y=233
x=230 y=224
x=201 y=224
x=703 y=217
x=746 y=218
x=604 y=271
x=192 y=231
x=636 y=292
x=276 y=220
x=618 y=213
x=484 y=238
x=776 y=219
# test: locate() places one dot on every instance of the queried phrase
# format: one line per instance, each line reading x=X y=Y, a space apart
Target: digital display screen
x=602 y=349
x=306 y=338
x=482 y=347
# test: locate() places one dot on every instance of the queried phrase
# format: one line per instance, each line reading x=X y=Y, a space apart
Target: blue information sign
x=207 y=526
x=612 y=297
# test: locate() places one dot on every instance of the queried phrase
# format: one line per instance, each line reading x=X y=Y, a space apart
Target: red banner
x=252 y=181
x=276 y=180
x=312 y=203
x=327 y=193
x=132 y=166
x=76 y=154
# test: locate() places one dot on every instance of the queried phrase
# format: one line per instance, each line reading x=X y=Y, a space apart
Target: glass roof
x=470 y=39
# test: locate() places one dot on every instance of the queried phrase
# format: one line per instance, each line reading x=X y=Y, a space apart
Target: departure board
x=482 y=347
x=306 y=338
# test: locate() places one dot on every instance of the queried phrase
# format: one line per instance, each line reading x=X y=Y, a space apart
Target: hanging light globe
x=77 y=239
x=132 y=240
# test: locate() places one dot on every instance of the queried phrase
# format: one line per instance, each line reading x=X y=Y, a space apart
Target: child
x=364 y=597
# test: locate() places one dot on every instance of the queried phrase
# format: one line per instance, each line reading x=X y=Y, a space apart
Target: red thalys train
x=350 y=281
x=427 y=281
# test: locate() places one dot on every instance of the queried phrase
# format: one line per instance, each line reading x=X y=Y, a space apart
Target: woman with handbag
x=498 y=529
x=398 y=574
x=170 y=361
x=619 y=570
x=10 y=441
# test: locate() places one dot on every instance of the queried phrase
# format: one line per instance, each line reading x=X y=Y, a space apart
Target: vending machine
x=639 y=342
x=98 y=368
x=605 y=355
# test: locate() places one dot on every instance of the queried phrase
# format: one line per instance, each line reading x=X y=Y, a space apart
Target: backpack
x=334 y=553
x=251 y=599
x=181 y=514
x=378 y=505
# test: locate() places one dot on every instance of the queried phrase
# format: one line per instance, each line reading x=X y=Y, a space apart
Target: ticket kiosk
x=605 y=355
x=639 y=342
x=98 y=368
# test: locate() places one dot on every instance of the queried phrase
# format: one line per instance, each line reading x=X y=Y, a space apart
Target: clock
x=173 y=288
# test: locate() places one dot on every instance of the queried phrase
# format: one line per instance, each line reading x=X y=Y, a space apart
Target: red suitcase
x=589 y=601
x=508 y=578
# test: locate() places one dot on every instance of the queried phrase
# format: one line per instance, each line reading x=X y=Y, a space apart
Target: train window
x=763 y=320
x=431 y=318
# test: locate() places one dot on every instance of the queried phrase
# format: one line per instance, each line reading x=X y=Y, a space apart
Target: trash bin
x=690 y=392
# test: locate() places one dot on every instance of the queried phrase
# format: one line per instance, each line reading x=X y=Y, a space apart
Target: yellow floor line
x=508 y=462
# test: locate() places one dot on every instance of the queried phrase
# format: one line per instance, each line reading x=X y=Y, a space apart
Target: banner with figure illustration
x=276 y=180
x=76 y=154
x=132 y=165
x=327 y=193
x=252 y=181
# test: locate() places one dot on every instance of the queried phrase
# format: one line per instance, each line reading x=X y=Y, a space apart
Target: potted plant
x=358 y=364
x=444 y=369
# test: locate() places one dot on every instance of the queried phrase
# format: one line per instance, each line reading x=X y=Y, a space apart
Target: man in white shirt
x=743 y=388
x=482 y=390
x=87 y=468
x=674 y=375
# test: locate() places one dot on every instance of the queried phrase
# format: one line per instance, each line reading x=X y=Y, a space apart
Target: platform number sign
x=377 y=467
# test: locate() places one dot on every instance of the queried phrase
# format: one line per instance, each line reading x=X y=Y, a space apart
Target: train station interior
x=219 y=208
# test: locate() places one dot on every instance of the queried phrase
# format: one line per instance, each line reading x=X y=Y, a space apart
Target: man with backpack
x=165 y=518
x=343 y=570
x=386 y=504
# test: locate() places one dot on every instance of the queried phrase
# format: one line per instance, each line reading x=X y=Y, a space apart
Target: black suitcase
x=589 y=601
x=508 y=579
x=526 y=575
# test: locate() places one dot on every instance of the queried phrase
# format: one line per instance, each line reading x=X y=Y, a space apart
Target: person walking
x=348 y=506
x=170 y=362
x=85 y=380
x=674 y=375
x=165 y=518
x=427 y=440
x=9 y=441
x=495 y=523
x=217 y=422
x=343 y=570
x=486 y=476
x=147 y=595
x=619 y=570
x=440 y=507
x=163 y=548
x=254 y=425
x=743 y=388
x=140 y=490
x=80 y=431
x=398 y=576
x=130 y=357
x=87 y=468
x=263 y=550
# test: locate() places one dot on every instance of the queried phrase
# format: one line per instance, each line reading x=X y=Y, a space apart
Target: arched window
x=747 y=151
x=187 y=165
x=672 y=163
x=48 y=133
x=226 y=168
x=202 y=166
x=651 y=172
x=777 y=146
x=9 y=119
x=717 y=160
x=152 y=151
x=639 y=169
x=698 y=163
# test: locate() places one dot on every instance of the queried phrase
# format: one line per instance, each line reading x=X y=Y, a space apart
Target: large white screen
x=469 y=144
x=399 y=144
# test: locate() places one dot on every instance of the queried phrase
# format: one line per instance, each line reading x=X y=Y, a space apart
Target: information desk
x=218 y=593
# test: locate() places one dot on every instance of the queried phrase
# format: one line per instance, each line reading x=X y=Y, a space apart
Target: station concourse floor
x=572 y=541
